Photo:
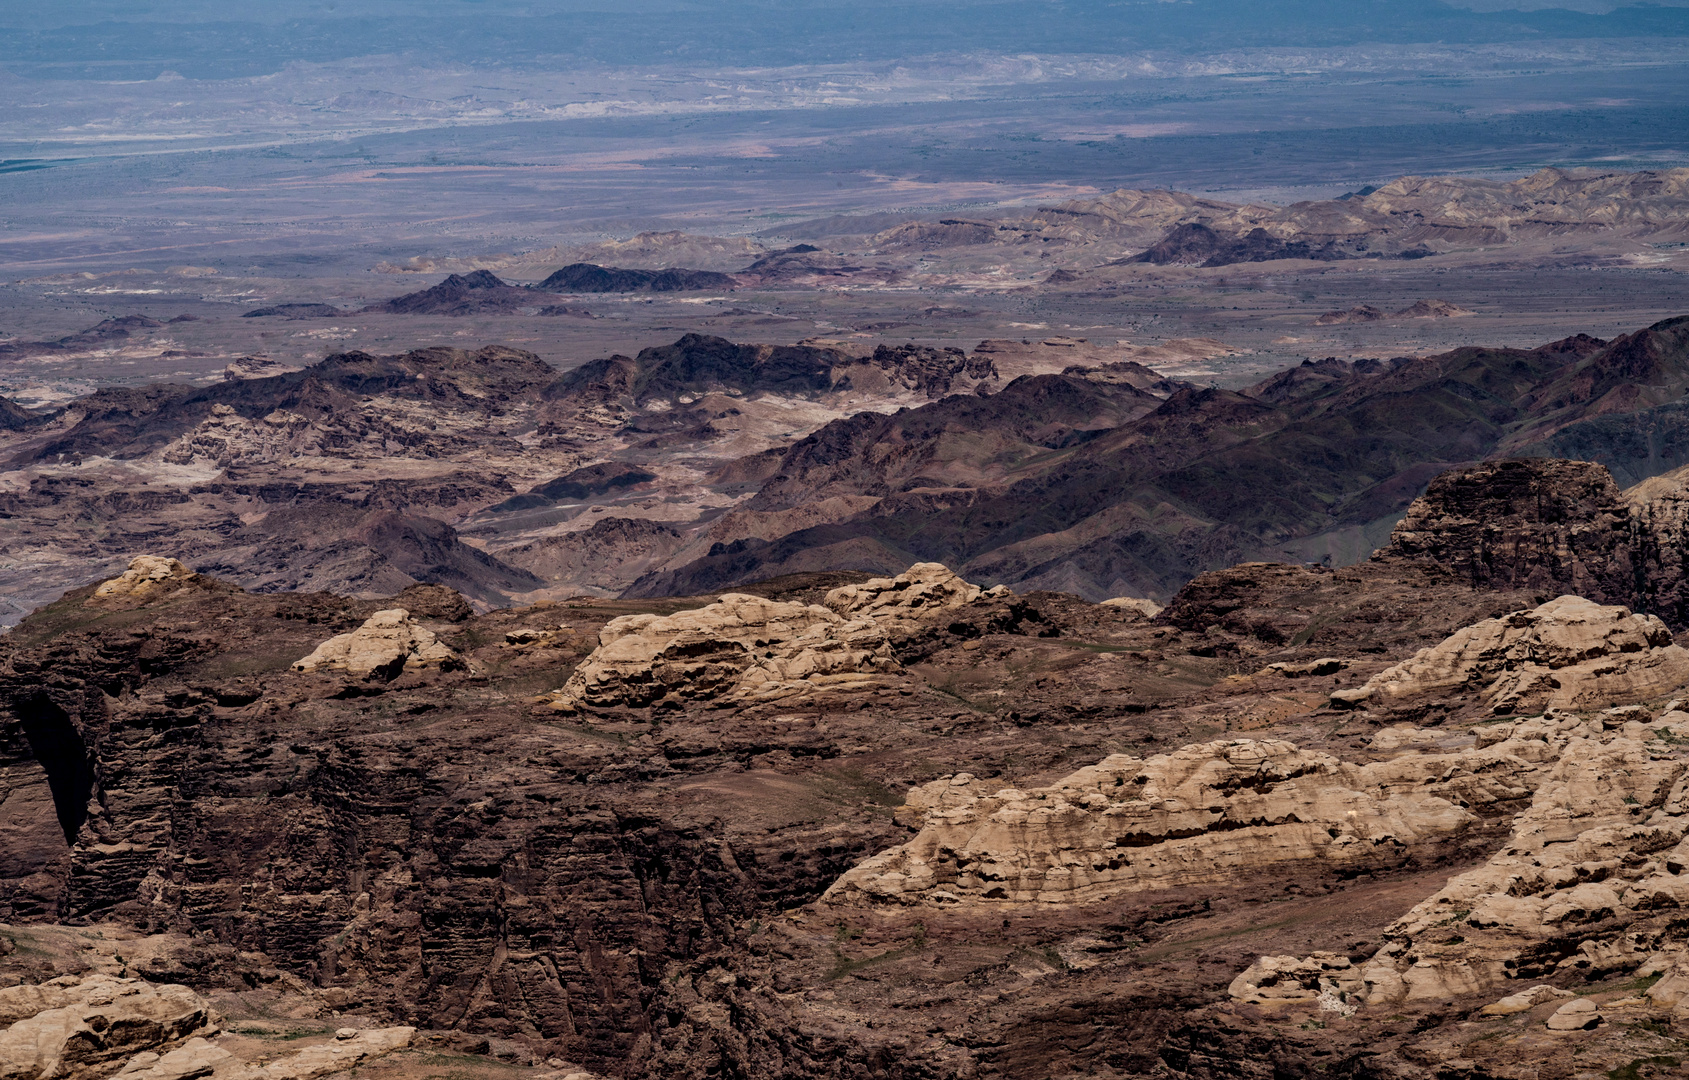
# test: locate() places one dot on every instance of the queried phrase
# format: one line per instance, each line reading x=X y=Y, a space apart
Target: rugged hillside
x=1057 y=464
x=837 y=826
x=1319 y=461
x=341 y=476
x=272 y=477
x=479 y=292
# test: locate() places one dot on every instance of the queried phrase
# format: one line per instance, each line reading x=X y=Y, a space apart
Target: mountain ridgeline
x=1056 y=482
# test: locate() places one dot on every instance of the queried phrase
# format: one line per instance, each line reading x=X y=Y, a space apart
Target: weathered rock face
x=750 y=648
x=1149 y=609
x=149 y=577
x=1201 y=815
x=640 y=894
x=1533 y=523
x=82 y=1027
x=429 y=850
x=1569 y=653
x=924 y=591
x=1551 y=526
x=1325 y=979
x=740 y=646
x=388 y=643
x=1592 y=880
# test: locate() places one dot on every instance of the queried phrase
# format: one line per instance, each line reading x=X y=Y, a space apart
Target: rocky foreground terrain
x=1423 y=816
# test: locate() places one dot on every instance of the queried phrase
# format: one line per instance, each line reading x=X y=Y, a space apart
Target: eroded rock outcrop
x=1569 y=653
x=745 y=646
x=1325 y=979
x=1201 y=815
x=76 y=1027
x=388 y=642
x=1592 y=881
x=201 y=1057
x=924 y=591
x=148 y=578
x=739 y=646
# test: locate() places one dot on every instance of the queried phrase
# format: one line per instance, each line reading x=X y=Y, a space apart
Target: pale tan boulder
x=389 y=641
x=1524 y=1000
x=1570 y=653
x=1204 y=814
x=1149 y=609
x=194 y=1058
x=741 y=646
x=1672 y=990
x=1303 y=669
x=1399 y=737
x=75 y=1027
x=1579 y=1015
x=147 y=578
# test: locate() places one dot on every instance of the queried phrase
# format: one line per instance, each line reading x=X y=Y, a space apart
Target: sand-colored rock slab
x=194 y=1058
x=148 y=578
x=1579 y=1015
x=75 y=1027
x=339 y=1055
x=741 y=646
x=1201 y=815
x=1524 y=1000
x=198 y=1057
x=389 y=641
x=1570 y=653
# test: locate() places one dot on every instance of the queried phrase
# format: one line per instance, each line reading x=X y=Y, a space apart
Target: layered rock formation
x=750 y=647
x=640 y=891
x=741 y=646
x=148 y=577
x=1199 y=816
x=94 y=1025
x=79 y=1028
x=1590 y=882
x=1570 y=653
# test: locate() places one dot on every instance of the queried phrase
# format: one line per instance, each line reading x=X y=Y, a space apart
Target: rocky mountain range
x=1411 y=217
x=1055 y=489
x=704 y=464
x=1420 y=816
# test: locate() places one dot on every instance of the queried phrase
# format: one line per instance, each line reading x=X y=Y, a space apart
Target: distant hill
x=592 y=278
x=476 y=293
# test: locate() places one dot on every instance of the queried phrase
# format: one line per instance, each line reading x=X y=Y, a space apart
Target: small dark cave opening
x=54 y=741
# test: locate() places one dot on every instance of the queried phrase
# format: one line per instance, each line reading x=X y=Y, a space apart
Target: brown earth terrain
x=1305 y=821
x=796 y=699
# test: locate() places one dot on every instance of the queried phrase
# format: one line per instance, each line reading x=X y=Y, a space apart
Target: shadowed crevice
x=59 y=748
